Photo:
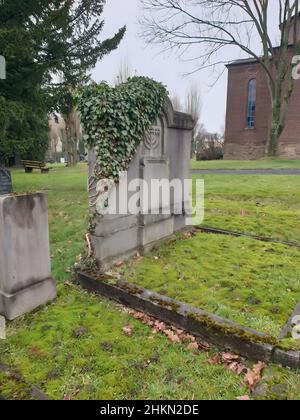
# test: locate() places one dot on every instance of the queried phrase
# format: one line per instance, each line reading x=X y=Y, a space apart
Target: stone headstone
x=163 y=155
x=25 y=271
x=5 y=182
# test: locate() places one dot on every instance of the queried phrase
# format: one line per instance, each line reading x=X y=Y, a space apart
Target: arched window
x=251 y=104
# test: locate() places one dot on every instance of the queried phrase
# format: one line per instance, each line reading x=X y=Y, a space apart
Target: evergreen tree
x=49 y=47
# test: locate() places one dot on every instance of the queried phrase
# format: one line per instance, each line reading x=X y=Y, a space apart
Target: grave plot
x=237 y=292
x=202 y=284
x=250 y=282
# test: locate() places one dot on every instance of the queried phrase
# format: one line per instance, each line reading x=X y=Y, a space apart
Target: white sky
x=167 y=68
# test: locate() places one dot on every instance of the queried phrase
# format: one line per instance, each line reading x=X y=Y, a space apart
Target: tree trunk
x=71 y=138
x=276 y=130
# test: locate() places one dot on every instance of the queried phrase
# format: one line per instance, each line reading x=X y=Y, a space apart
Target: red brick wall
x=245 y=143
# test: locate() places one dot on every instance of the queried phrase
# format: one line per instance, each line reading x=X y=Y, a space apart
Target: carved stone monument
x=5 y=182
x=25 y=273
x=164 y=155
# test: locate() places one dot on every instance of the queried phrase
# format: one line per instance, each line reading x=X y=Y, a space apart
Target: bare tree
x=213 y=25
x=73 y=135
x=176 y=102
x=193 y=106
x=124 y=73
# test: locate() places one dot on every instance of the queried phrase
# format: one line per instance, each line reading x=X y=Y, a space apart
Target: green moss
x=231 y=330
x=289 y=344
x=253 y=283
x=169 y=305
x=104 y=363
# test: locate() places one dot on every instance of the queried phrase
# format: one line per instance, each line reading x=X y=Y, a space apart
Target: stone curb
x=219 y=331
x=217 y=231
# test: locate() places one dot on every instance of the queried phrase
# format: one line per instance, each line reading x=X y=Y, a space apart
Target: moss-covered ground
x=253 y=283
x=75 y=348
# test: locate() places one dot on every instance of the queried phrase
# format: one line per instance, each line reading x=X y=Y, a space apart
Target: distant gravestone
x=5 y=182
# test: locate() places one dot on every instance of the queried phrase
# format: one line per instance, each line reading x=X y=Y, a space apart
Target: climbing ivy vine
x=116 y=119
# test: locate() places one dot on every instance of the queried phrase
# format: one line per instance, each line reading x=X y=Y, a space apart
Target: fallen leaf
x=172 y=337
x=204 y=346
x=229 y=358
x=243 y=398
x=128 y=330
x=215 y=360
x=119 y=264
x=188 y=337
x=237 y=368
x=253 y=377
x=159 y=327
x=193 y=346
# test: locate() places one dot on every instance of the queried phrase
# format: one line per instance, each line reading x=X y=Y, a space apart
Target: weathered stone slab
x=25 y=272
x=5 y=182
x=287 y=358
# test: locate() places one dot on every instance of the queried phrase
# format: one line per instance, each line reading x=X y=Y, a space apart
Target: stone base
x=129 y=235
x=17 y=304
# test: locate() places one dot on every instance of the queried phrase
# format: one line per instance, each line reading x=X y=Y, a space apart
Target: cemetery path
x=245 y=171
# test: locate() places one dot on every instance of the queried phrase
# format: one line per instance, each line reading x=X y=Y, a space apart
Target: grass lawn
x=265 y=205
x=244 y=164
x=254 y=283
x=76 y=347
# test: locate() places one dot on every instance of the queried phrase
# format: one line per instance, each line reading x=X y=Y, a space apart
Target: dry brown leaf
x=204 y=346
x=128 y=330
x=215 y=360
x=253 y=377
x=172 y=337
x=229 y=358
x=193 y=346
x=119 y=264
x=188 y=337
x=237 y=368
x=159 y=327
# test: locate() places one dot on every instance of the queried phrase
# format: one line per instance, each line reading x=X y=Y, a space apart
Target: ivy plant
x=116 y=119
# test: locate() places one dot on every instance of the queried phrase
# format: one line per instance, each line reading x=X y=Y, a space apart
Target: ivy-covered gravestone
x=5 y=182
x=135 y=140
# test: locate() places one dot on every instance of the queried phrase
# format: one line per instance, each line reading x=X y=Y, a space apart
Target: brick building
x=248 y=117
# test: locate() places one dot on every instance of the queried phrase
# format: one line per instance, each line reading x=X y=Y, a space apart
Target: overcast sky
x=167 y=68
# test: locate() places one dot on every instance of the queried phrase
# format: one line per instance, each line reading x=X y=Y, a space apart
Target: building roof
x=242 y=61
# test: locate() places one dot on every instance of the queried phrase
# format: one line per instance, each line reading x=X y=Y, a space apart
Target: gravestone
x=5 y=182
x=163 y=155
x=25 y=272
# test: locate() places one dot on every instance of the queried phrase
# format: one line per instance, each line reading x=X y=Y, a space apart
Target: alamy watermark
x=2 y=68
x=151 y=197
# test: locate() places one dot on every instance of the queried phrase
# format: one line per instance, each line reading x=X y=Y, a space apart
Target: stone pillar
x=25 y=272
